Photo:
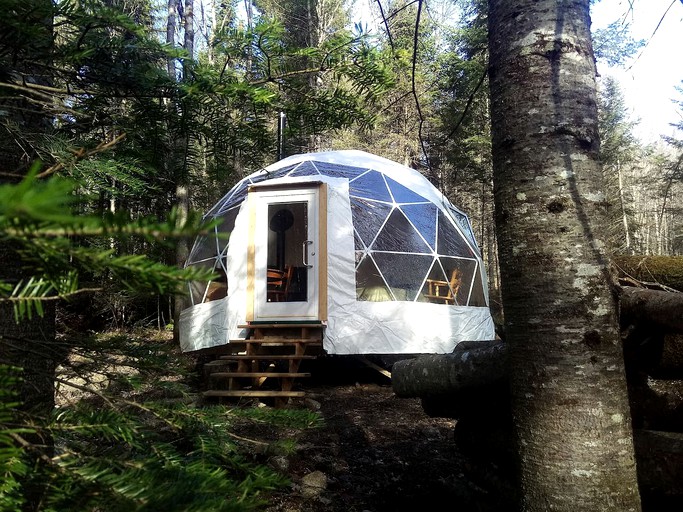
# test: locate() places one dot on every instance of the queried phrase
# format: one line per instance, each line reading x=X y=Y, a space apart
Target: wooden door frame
x=322 y=242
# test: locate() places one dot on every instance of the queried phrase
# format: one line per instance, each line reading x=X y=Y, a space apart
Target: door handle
x=304 y=249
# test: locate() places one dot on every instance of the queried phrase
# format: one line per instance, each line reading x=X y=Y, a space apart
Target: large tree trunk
x=569 y=395
x=182 y=143
x=29 y=344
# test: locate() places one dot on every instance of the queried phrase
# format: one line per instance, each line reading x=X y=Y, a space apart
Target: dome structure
x=362 y=244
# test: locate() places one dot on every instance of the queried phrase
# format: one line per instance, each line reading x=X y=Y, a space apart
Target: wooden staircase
x=265 y=365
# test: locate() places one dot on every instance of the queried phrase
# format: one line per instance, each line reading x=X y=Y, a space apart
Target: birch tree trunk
x=569 y=395
x=182 y=192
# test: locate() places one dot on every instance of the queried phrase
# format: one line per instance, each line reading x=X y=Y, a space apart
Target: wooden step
x=283 y=325
x=278 y=357
x=276 y=339
x=259 y=374
x=253 y=393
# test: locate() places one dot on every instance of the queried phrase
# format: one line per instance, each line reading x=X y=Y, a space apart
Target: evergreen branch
x=81 y=153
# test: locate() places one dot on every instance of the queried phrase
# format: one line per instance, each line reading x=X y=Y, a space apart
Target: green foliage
x=615 y=45
x=36 y=217
x=132 y=437
x=13 y=467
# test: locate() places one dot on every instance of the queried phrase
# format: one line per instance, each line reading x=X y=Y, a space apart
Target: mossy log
x=663 y=270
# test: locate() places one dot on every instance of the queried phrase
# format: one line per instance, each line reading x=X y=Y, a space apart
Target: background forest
x=121 y=121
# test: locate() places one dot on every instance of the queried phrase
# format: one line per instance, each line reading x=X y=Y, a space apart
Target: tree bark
x=569 y=395
x=172 y=8
x=27 y=344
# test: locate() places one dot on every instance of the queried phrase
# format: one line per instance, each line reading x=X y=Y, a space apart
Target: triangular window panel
x=262 y=176
x=203 y=249
x=461 y=273
x=338 y=171
x=437 y=288
x=279 y=173
x=477 y=296
x=305 y=169
x=368 y=217
x=232 y=198
x=449 y=240
x=423 y=216
x=464 y=225
x=403 y=272
x=399 y=235
x=370 y=185
x=402 y=194
x=227 y=224
x=369 y=283
x=358 y=242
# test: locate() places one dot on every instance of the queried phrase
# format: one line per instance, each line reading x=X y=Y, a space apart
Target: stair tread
x=254 y=393
x=281 y=325
x=277 y=340
x=259 y=374
x=242 y=357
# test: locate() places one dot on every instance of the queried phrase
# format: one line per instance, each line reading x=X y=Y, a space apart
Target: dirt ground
x=377 y=452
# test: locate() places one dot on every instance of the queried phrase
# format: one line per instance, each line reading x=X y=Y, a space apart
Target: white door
x=286 y=254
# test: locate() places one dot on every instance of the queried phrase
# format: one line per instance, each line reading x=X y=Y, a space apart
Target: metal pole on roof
x=281 y=136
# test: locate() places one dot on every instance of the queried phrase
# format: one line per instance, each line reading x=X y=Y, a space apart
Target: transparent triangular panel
x=235 y=196
x=369 y=283
x=403 y=272
x=370 y=185
x=449 y=240
x=305 y=169
x=338 y=171
x=464 y=224
x=477 y=296
x=368 y=217
x=423 y=216
x=227 y=223
x=399 y=235
x=358 y=242
x=402 y=194
x=437 y=287
x=261 y=177
x=279 y=173
x=465 y=271
x=204 y=249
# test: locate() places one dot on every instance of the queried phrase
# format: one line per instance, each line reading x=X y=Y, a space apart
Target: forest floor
x=375 y=452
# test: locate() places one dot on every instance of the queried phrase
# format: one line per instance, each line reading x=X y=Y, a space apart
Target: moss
x=665 y=270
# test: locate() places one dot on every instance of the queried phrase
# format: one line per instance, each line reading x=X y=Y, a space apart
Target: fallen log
x=656 y=404
x=652 y=270
x=452 y=385
x=651 y=307
x=442 y=374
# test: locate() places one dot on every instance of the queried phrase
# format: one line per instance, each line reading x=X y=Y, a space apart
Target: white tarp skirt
x=203 y=326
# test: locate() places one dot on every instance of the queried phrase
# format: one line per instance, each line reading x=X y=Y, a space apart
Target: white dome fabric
x=391 y=237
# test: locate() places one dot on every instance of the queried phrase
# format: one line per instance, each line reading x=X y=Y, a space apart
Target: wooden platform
x=266 y=363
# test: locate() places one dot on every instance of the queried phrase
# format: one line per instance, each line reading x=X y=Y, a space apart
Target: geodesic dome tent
x=361 y=244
